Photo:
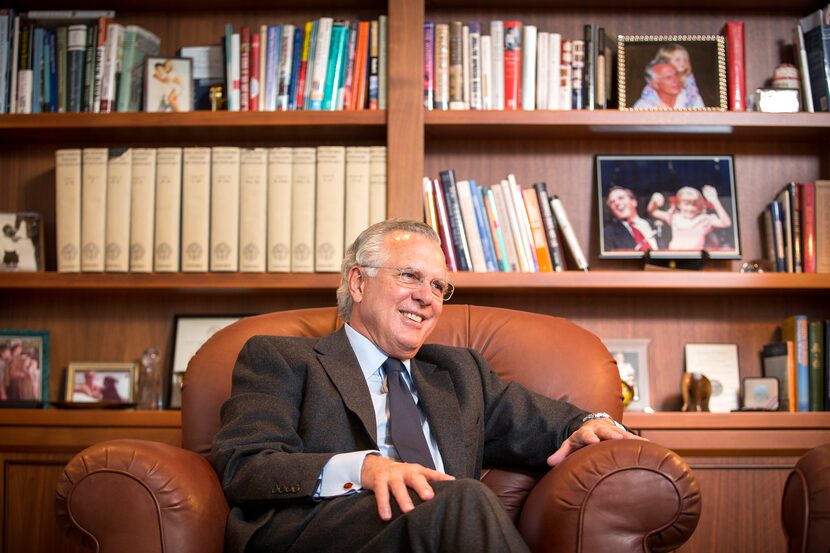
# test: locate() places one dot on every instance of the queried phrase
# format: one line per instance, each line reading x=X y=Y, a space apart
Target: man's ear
x=356 y=280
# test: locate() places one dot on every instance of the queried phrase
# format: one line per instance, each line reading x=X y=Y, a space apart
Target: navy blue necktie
x=407 y=434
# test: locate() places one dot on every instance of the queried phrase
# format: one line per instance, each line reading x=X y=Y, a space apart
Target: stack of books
x=797 y=228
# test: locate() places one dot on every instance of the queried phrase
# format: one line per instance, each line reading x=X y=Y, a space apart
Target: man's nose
x=423 y=292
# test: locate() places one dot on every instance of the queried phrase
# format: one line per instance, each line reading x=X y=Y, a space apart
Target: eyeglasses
x=410 y=278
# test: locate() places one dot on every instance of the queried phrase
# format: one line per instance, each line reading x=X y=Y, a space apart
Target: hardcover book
x=142 y=210
x=224 y=208
x=253 y=209
x=68 y=209
x=778 y=360
x=512 y=64
x=330 y=208
x=119 y=182
x=279 y=217
x=195 y=200
x=93 y=208
x=735 y=65
x=303 y=193
x=794 y=329
x=172 y=166
x=817 y=45
x=357 y=191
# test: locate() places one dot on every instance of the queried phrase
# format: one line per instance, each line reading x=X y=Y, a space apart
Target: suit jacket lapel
x=437 y=396
x=339 y=361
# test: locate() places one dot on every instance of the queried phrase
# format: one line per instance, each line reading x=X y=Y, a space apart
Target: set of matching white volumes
x=222 y=208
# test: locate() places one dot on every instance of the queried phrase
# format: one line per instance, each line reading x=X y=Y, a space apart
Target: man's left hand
x=592 y=432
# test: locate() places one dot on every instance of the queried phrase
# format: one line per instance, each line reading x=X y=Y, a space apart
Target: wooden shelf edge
x=727 y=421
x=90 y=417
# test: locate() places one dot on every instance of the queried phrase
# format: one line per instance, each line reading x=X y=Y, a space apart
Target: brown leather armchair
x=622 y=496
x=805 y=507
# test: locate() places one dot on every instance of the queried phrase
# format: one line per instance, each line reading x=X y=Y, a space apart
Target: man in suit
x=364 y=440
x=627 y=230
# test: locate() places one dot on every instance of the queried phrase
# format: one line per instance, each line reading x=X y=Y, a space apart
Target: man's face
x=623 y=206
x=394 y=317
x=667 y=79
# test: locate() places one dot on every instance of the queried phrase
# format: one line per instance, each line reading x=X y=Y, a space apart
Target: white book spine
x=142 y=210
x=506 y=229
x=468 y=214
x=497 y=60
x=441 y=99
x=286 y=52
x=554 y=70
x=119 y=181
x=330 y=209
x=525 y=264
x=565 y=75
x=195 y=210
x=68 y=209
x=279 y=210
x=253 y=209
x=486 y=73
x=235 y=93
x=524 y=222
x=542 y=67
x=93 y=208
x=357 y=192
x=466 y=74
x=568 y=233
x=112 y=50
x=303 y=197
x=168 y=227
x=224 y=209
x=475 y=69
x=24 y=91
x=528 y=67
x=263 y=51
x=321 y=56
x=377 y=184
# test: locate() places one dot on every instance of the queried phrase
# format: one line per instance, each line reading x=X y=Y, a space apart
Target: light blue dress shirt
x=341 y=475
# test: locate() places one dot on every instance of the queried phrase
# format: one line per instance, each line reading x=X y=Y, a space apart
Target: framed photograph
x=21 y=241
x=190 y=333
x=671 y=72
x=105 y=383
x=168 y=84
x=719 y=363
x=24 y=367
x=760 y=393
x=631 y=356
x=671 y=207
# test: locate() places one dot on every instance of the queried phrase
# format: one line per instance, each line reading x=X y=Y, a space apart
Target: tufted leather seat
x=805 y=507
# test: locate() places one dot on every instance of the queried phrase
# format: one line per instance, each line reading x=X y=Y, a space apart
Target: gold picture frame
x=101 y=383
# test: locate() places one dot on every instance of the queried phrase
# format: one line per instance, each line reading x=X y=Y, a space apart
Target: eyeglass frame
x=444 y=296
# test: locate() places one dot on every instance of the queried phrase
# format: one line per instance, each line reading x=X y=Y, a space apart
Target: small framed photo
x=168 y=84
x=104 y=383
x=671 y=207
x=631 y=356
x=719 y=363
x=671 y=72
x=21 y=241
x=190 y=333
x=760 y=393
x=24 y=367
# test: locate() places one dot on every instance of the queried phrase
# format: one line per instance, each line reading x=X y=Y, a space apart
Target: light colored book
x=497 y=61
x=279 y=209
x=823 y=227
x=142 y=210
x=357 y=192
x=234 y=94
x=168 y=227
x=195 y=210
x=476 y=101
x=486 y=72
x=224 y=208
x=542 y=68
x=303 y=197
x=284 y=67
x=68 y=209
x=113 y=56
x=377 y=184
x=321 y=58
x=330 y=208
x=525 y=263
x=554 y=69
x=566 y=75
x=253 y=209
x=139 y=43
x=25 y=78
x=528 y=86
x=93 y=208
x=456 y=65
x=383 y=27
x=466 y=63
x=441 y=67
x=511 y=252
x=523 y=221
x=119 y=182
x=567 y=230
x=465 y=202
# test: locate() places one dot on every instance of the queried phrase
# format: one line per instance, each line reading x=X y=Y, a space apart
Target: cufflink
x=348 y=486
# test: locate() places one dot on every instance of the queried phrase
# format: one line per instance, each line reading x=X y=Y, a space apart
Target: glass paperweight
x=149 y=380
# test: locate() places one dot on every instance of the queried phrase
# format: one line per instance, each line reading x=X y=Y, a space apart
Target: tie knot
x=393 y=366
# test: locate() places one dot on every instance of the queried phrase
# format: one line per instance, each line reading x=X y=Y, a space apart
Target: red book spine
x=808 y=226
x=244 y=67
x=735 y=66
x=254 y=87
x=512 y=64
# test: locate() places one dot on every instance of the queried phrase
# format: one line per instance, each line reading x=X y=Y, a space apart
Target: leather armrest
x=618 y=495
x=142 y=496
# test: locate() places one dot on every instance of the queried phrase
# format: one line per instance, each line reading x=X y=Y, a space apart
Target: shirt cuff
x=341 y=475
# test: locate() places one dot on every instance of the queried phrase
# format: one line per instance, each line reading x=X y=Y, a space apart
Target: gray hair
x=650 y=76
x=368 y=249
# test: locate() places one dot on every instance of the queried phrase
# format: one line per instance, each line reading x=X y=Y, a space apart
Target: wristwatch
x=602 y=415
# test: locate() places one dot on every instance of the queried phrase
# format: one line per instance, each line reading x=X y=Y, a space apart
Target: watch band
x=602 y=415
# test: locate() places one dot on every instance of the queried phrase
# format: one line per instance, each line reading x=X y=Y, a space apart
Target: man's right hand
x=387 y=477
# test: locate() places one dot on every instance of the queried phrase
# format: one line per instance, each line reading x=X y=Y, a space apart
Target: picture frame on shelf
x=168 y=84
x=24 y=368
x=760 y=393
x=101 y=383
x=667 y=207
x=631 y=356
x=671 y=72
x=718 y=363
x=21 y=241
x=190 y=332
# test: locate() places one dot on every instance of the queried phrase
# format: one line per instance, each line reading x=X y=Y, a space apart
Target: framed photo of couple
x=672 y=72
x=671 y=207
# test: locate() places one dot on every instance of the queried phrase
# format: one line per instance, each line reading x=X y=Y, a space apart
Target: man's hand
x=592 y=432
x=385 y=476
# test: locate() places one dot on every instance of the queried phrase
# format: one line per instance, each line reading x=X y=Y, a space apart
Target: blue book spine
x=228 y=61
x=52 y=39
x=296 y=60
x=6 y=22
x=272 y=58
x=312 y=50
x=817 y=46
x=483 y=228
x=339 y=34
x=459 y=240
x=498 y=235
x=37 y=69
x=339 y=92
x=778 y=236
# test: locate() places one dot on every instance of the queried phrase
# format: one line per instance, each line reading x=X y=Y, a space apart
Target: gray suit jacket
x=296 y=402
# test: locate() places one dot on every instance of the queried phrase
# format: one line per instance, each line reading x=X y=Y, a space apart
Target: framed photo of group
x=667 y=207
x=671 y=72
x=24 y=367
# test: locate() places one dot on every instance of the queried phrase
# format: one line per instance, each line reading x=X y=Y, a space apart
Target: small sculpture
x=149 y=381
x=217 y=97
x=696 y=390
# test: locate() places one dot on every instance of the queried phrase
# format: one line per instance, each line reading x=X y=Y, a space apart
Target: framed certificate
x=719 y=363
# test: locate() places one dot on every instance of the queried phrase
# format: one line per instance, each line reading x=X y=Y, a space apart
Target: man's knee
x=464 y=489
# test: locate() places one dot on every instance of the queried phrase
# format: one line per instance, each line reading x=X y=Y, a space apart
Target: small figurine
x=696 y=390
x=216 y=97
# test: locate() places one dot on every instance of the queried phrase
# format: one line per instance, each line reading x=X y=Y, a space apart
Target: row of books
x=500 y=227
x=811 y=44
x=801 y=363
x=797 y=228
x=197 y=209
x=324 y=65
